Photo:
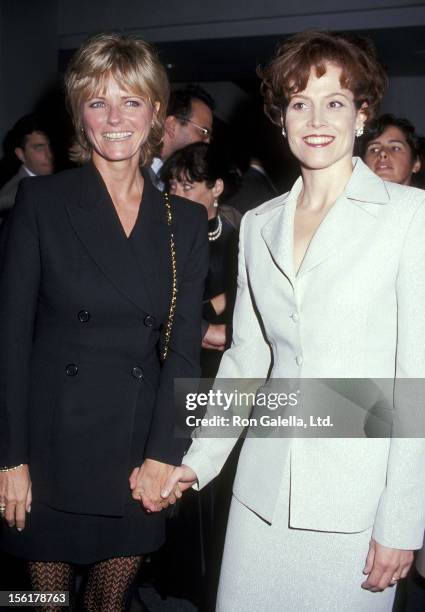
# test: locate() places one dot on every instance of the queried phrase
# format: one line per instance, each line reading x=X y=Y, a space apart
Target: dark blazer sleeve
x=19 y=287
x=184 y=348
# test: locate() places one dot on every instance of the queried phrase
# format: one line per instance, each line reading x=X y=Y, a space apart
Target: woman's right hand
x=15 y=494
x=182 y=476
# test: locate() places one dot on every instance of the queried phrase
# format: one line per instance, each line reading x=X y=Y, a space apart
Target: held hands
x=182 y=477
x=385 y=566
x=15 y=496
x=157 y=485
x=146 y=483
x=215 y=338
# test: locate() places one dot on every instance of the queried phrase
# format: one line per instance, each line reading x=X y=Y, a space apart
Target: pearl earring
x=359 y=131
x=215 y=204
x=281 y=123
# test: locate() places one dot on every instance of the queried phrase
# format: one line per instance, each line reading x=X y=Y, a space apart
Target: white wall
x=167 y=20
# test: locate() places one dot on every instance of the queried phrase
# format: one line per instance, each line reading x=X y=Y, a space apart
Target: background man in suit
x=255 y=188
x=189 y=119
x=32 y=148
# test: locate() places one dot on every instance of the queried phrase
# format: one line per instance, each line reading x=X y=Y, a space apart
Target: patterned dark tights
x=47 y=577
x=109 y=583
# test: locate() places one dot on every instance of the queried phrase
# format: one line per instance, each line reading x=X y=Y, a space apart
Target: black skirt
x=53 y=535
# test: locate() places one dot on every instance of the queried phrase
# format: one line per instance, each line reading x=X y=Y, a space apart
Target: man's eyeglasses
x=206 y=132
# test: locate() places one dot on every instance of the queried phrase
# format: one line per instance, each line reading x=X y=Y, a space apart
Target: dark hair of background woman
x=199 y=162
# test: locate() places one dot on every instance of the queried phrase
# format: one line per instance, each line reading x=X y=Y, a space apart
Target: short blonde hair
x=135 y=66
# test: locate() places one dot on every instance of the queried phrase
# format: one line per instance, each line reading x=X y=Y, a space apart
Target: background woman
x=101 y=281
x=331 y=284
x=392 y=149
x=198 y=173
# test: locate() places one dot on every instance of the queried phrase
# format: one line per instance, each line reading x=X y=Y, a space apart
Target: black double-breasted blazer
x=83 y=394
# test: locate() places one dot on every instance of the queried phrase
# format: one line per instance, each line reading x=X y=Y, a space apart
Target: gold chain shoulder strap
x=169 y=324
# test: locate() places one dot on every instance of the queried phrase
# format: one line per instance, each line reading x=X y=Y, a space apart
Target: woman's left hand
x=385 y=566
x=147 y=481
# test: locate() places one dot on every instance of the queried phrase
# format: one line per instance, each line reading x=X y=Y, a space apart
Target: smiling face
x=321 y=121
x=390 y=157
x=117 y=122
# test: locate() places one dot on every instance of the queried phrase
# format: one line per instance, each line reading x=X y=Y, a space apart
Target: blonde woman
x=101 y=289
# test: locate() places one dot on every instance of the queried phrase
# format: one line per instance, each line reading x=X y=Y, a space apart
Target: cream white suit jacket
x=359 y=304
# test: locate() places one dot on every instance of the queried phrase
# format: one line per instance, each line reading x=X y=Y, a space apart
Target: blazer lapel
x=151 y=245
x=354 y=209
x=338 y=228
x=278 y=231
x=97 y=225
x=358 y=205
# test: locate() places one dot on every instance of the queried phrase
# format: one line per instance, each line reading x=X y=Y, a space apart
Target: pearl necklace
x=217 y=232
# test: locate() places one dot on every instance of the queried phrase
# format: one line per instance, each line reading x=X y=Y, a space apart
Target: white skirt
x=275 y=568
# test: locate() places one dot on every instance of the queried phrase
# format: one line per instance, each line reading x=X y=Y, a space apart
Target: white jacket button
x=299 y=360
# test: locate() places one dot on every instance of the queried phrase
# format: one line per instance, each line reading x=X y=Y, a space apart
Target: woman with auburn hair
x=331 y=286
x=101 y=287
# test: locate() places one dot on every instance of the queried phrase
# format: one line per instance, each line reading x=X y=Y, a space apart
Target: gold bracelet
x=9 y=469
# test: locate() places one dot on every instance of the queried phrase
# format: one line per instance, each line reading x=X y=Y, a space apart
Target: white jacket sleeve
x=400 y=519
x=248 y=357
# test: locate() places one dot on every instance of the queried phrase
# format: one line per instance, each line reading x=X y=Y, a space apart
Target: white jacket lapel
x=278 y=231
x=343 y=223
x=346 y=220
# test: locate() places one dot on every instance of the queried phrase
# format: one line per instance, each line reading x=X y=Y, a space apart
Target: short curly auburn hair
x=135 y=66
x=289 y=70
